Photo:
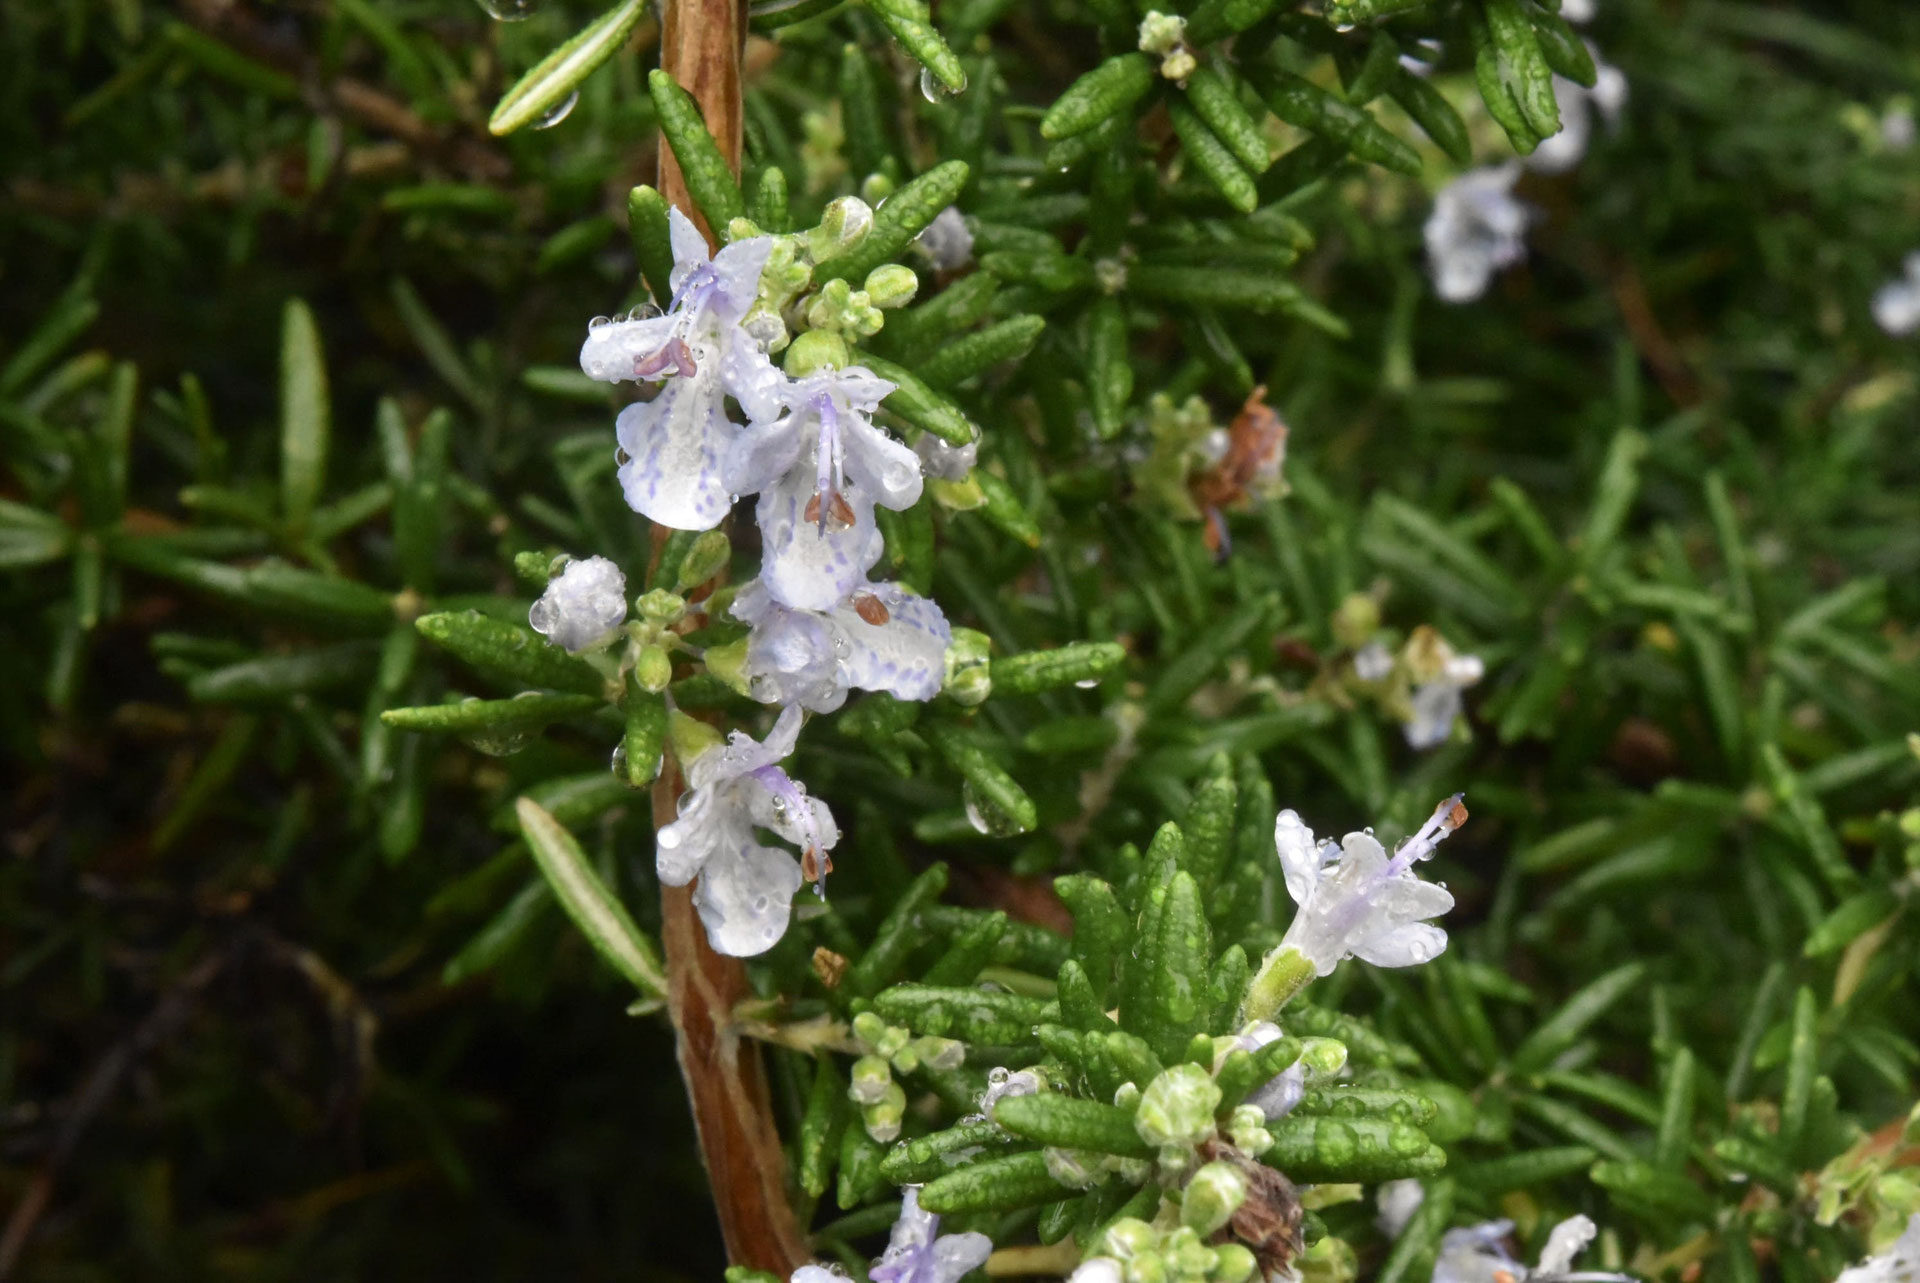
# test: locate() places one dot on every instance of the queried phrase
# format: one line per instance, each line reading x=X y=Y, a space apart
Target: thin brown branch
x=700 y=47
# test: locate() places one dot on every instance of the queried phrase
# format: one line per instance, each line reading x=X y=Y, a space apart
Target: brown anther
x=839 y=512
x=829 y=966
x=812 y=514
x=814 y=864
x=1457 y=816
x=871 y=609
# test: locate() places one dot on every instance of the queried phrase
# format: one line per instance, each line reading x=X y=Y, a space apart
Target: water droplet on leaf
x=558 y=112
x=509 y=10
x=986 y=816
x=933 y=89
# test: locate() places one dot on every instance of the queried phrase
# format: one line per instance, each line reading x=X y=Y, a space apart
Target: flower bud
x=660 y=606
x=1130 y=1238
x=1232 y=1263
x=940 y=1053
x=653 y=669
x=845 y=223
x=707 y=557
x=1213 y=1195
x=870 y=1079
x=868 y=1027
x=1356 y=620
x=893 y=285
x=882 y=1118
x=583 y=606
x=1247 y=1128
x=1176 y=1110
x=816 y=350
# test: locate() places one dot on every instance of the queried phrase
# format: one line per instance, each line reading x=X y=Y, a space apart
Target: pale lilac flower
x=1900 y=1263
x=1564 y=150
x=1579 y=10
x=1478 y=1254
x=1373 y=662
x=1437 y=703
x=947 y=240
x=746 y=890
x=919 y=1253
x=1098 y=1269
x=673 y=445
x=1003 y=1082
x=1355 y=901
x=1897 y=128
x=817 y=1274
x=1397 y=1202
x=878 y=637
x=1896 y=307
x=583 y=606
x=819 y=470
x=1477 y=227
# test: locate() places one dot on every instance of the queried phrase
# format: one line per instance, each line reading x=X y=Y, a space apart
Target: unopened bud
x=659 y=606
x=653 y=669
x=1177 y=1108
x=706 y=558
x=1213 y=1195
x=1232 y=1263
x=816 y=350
x=882 y=1118
x=845 y=223
x=893 y=285
x=870 y=1079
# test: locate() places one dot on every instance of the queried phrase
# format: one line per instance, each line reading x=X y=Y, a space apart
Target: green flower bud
x=1162 y=33
x=1356 y=620
x=882 y=1118
x=893 y=285
x=847 y=311
x=660 y=606
x=1129 y=1238
x=845 y=223
x=708 y=557
x=1176 y=1110
x=1127 y=1095
x=1232 y=1263
x=968 y=680
x=875 y=188
x=1213 y=1195
x=816 y=350
x=741 y=229
x=1247 y=1128
x=870 y=1079
x=869 y=1028
x=940 y=1053
x=653 y=669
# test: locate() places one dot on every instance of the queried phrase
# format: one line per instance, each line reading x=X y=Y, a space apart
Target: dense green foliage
x=287 y=388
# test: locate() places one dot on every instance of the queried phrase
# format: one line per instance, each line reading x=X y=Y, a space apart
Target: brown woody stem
x=700 y=47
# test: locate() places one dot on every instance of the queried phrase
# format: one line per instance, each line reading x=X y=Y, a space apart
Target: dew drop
x=986 y=817
x=509 y=10
x=1087 y=683
x=541 y=617
x=558 y=112
x=668 y=839
x=599 y=321
x=619 y=763
x=933 y=90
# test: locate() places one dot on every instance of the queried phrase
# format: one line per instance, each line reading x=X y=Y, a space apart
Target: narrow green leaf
x=594 y=909
x=561 y=72
x=305 y=416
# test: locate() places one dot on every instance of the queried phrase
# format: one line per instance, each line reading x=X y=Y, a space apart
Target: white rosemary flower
x=583 y=606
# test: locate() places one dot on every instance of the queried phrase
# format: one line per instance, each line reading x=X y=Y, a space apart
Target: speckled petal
x=674 y=445
x=906 y=656
x=739 y=266
x=750 y=377
x=804 y=568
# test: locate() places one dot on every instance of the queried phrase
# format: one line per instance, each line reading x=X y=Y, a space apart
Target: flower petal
x=886 y=469
x=684 y=846
x=803 y=567
x=738 y=268
x=1405 y=946
x=745 y=898
x=1568 y=1239
x=762 y=453
x=613 y=349
x=1300 y=857
x=689 y=246
x=907 y=655
x=750 y=376
x=674 y=445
